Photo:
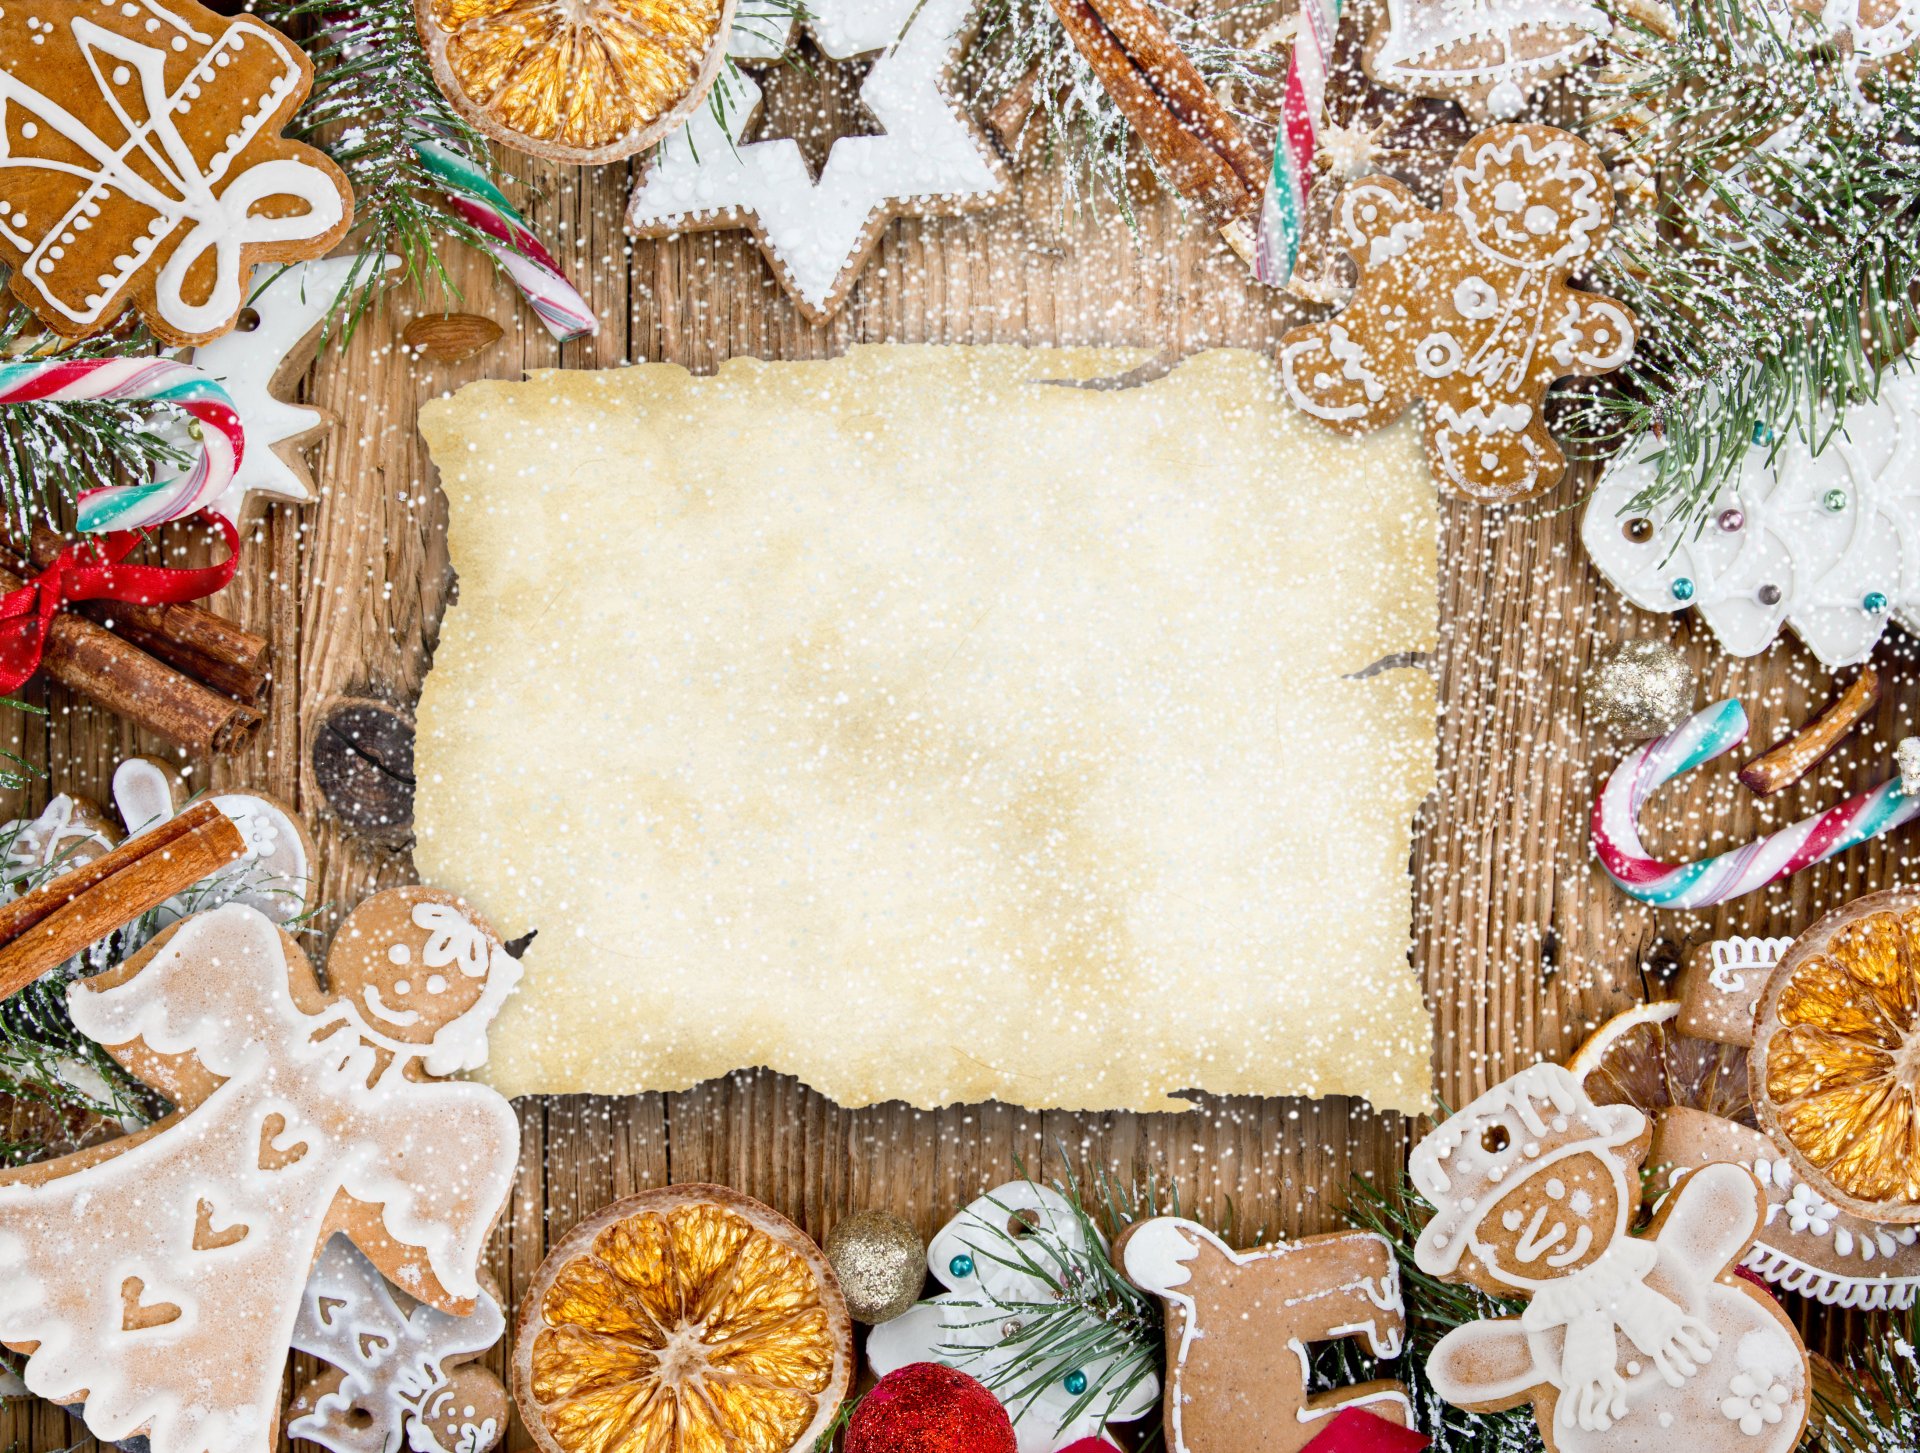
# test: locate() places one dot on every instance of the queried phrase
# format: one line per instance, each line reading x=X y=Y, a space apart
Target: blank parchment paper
x=933 y=733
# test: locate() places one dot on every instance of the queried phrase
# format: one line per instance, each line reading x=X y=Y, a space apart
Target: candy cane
x=512 y=244
x=1701 y=738
x=1284 y=209
x=161 y=380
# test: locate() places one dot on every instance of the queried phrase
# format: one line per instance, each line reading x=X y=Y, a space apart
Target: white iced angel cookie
x=1626 y=1341
x=929 y=159
x=1827 y=544
x=1239 y=1325
x=1490 y=55
x=968 y=1327
x=150 y=170
x=270 y=347
x=401 y=1373
x=161 y=1276
x=276 y=873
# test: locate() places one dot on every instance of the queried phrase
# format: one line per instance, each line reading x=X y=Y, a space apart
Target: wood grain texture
x=1521 y=942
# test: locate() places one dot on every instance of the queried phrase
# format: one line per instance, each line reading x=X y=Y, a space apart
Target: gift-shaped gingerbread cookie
x=1239 y=1324
x=159 y=1277
x=1469 y=309
x=1627 y=1342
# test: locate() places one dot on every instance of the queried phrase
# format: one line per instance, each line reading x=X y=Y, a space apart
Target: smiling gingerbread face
x=412 y=961
x=1532 y=200
x=1550 y=1223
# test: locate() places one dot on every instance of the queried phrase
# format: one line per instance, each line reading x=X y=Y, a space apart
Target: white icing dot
x=1556 y=1187
x=19 y=219
x=46 y=264
x=1559 y=1124
x=1541 y=220
x=1512 y=1220
x=437 y=984
x=29 y=130
x=121 y=75
x=1582 y=1203
x=399 y=953
x=130 y=11
x=179 y=43
x=401 y=986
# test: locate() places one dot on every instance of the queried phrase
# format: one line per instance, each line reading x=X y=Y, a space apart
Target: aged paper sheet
x=930 y=732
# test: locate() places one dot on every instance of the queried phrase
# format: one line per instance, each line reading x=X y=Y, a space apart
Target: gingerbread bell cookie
x=1469 y=309
x=160 y=1277
x=1626 y=1341
x=1491 y=55
x=146 y=166
x=1236 y=1321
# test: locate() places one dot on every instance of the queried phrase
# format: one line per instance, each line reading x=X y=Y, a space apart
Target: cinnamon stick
x=207 y=647
x=50 y=925
x=1168 y=103
x=1787 y=761
x=120 y=676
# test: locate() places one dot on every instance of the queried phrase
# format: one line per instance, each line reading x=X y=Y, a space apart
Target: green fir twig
x=1878 y=1410
x=1774 y=270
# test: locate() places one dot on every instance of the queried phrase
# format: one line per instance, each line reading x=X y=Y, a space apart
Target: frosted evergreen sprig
x=1877 y=1408
x=373 y=98
x=1022 y=43
x=1774 y=265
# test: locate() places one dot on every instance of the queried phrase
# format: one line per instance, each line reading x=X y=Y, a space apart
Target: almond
x=450 y=337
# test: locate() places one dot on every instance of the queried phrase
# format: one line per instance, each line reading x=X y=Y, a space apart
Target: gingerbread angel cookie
x=1626 y=1341
x=144 y=163
x=160 y=1276
x=1238 y=1326
x=1469 y=309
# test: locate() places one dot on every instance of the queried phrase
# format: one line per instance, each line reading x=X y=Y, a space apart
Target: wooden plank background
x=1521 y=943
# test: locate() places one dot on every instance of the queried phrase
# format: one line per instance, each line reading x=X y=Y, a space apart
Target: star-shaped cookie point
x=929 y=159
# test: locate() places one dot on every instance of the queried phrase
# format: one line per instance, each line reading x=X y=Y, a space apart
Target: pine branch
x=1878 y=1410
x=50 y=449
x=1023 y=45
x=373 y=97
x=1775 y=270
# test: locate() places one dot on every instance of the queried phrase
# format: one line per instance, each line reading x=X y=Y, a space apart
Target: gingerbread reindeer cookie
x=159 y=1277
x=1469 y=309
x=1626 y=1341
x=145 y=165
x=1238 y=1325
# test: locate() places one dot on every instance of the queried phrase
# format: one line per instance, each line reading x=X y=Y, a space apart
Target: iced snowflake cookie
x=1238 y=1325
x=1469 y=309
x=160 y=1276
x=150 y=169
x=1490 y=56
x=401 y=1374
x=1626 y=1341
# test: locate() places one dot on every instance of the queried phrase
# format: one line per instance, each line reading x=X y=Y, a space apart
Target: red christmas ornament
x=1355 y=1430
x=927 y=1408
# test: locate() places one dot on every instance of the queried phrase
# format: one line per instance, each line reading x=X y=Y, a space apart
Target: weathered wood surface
x=1521 y=943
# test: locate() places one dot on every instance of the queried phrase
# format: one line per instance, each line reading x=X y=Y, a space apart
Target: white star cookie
x=929 y=160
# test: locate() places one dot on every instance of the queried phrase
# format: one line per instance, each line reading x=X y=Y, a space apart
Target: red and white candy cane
x=1303 y=110
x=1701 y=738
x=161 y=380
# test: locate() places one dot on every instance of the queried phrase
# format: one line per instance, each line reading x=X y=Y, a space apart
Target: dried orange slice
x=580 y=81
x=1836 y=1056
x=684 y=1320
x=1641 y=1058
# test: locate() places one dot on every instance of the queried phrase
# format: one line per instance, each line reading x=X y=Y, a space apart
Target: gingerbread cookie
x=1238 y=1325
x=69 y=833
x=1626 y=1341
x=145 y=163
x=1469 y=309
x=1490 y=56
x=160 y=1276
x=1721 y=984
x=401 y=1374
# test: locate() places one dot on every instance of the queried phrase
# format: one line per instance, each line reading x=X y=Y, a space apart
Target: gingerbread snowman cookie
x=1627 y=1342
x=1469 y=309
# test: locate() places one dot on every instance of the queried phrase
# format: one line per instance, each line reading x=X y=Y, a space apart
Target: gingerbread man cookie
x=160 y=1276
x=1238 y=1325
x=1626 y=1341
x=144 y=163
x=1469 y=309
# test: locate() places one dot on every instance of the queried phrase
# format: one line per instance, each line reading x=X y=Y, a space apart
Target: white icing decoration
x=150 y=163
x=962 y=1327
x=1823 y=562
x=1156 y=1259
x=1755 y=1402
x=1737 y=960
x=436 y=1159
x=455 y=939
x=393 y=1353
x=51 y=839
x=1427 y=43
x=815 y=229
x=290 y=302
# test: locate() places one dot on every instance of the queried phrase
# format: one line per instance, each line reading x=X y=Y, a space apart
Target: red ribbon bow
x=91 y=569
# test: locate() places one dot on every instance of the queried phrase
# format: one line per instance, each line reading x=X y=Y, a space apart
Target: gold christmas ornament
x=1640 y=689
x=881 y=1262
